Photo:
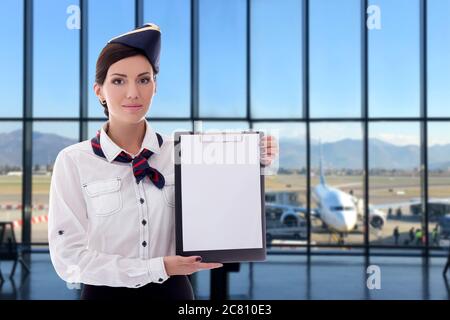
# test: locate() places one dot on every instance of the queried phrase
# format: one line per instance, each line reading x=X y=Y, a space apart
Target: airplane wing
x=393 y=204
x=414 y=201
x=314 y=213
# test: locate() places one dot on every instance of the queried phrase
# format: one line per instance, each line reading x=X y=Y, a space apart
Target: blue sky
x=276 y=55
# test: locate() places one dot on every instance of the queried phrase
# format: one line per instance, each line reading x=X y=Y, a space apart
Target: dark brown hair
x=110 y=54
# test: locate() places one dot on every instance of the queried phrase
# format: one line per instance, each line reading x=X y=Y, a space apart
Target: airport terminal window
x=222 y=80
x=55 y=72
x=164 y=127
x=438 y=62
x=49 y=138
x=276 y=97
x=93 y=127
x=169 y=127
x=286 y=187
x=337 y=183
x=173 y=17
x=11 y=176
x=11 y=60
x=438 y=182
x=276 y=62
x=395 y=187
x=103 y=24
x=394 y=64
x=335 y=72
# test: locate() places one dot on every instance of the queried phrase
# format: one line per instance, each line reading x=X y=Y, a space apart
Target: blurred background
x=356 y=91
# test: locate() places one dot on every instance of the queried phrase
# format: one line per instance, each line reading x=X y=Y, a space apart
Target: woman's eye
x=117 y=81
x=145 y=80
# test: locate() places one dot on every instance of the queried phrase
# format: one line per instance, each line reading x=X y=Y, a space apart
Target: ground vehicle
x=444 y=227
x=284 y=222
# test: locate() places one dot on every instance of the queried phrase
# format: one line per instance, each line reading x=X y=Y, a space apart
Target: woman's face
x=128 y=89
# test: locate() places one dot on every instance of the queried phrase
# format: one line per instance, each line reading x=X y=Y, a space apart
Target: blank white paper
x=221 y=192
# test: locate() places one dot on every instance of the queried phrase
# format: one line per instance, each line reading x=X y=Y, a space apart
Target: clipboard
x=219 y=196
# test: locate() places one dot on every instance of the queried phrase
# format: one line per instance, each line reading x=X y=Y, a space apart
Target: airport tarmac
x=383 y=190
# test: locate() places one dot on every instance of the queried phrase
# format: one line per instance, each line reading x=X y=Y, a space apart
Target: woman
x=111 y=215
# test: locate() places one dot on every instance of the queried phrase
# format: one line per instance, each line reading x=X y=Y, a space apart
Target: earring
x=103 y=102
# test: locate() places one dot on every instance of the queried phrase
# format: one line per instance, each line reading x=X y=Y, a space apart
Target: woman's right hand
x=179 y=265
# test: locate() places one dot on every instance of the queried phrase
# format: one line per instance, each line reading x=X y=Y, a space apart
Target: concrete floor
x=287 y=277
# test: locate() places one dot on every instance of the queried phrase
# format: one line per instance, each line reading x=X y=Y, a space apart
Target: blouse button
x=144 y=244
x=141 y=200
x=144 y=222
x=160 y=279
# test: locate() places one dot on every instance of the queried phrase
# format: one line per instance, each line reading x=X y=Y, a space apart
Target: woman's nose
x=132 y=92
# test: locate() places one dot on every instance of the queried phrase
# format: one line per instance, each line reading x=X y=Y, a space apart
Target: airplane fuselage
x=336 y=208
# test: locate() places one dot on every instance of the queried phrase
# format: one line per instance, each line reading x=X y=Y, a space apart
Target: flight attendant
x=111 y=212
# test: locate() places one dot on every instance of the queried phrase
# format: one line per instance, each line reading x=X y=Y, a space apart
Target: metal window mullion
x=365 y=114
x=424 y=125
x=27 y=138
x=248 y=66
x=194 y=62
x=138 y=13
x=305 y=67
x=83 y=130
x=248 y=60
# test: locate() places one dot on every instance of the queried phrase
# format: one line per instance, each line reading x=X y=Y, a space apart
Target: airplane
x=339 y=211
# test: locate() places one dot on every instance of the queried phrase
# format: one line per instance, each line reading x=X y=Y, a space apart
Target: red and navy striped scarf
x=141 y=168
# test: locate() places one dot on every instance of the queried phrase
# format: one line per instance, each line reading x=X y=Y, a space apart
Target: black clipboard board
x=192 y=239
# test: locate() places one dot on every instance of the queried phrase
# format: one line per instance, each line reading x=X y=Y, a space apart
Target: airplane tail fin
x=322 y=175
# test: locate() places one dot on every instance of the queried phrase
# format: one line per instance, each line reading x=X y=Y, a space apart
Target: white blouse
x=104 y=228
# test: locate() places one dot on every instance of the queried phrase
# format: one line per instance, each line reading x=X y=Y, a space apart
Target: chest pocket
x=103 y=196
x=169 y=190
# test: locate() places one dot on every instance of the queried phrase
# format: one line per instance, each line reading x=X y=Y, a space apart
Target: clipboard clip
x=221 y=137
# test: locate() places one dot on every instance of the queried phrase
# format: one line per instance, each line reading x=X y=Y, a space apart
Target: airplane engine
x=376 y=219
x=290 y=219
x=376 y=222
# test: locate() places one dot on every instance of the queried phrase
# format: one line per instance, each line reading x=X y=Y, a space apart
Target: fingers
x=196 y=261
x=192 y=259
x=211 y=265
x=269 y=147
x=268 y=141
x=270 y=152
x=266 y=161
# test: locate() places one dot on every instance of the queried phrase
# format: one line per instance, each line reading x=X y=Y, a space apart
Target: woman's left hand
x=269 y=149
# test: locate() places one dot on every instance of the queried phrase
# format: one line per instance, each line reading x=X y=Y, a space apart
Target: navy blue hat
x=146 y=38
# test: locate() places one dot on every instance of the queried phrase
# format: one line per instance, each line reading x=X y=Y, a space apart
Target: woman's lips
x=133 y=107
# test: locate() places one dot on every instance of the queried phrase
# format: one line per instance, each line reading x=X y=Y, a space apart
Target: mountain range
x=341 y=154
